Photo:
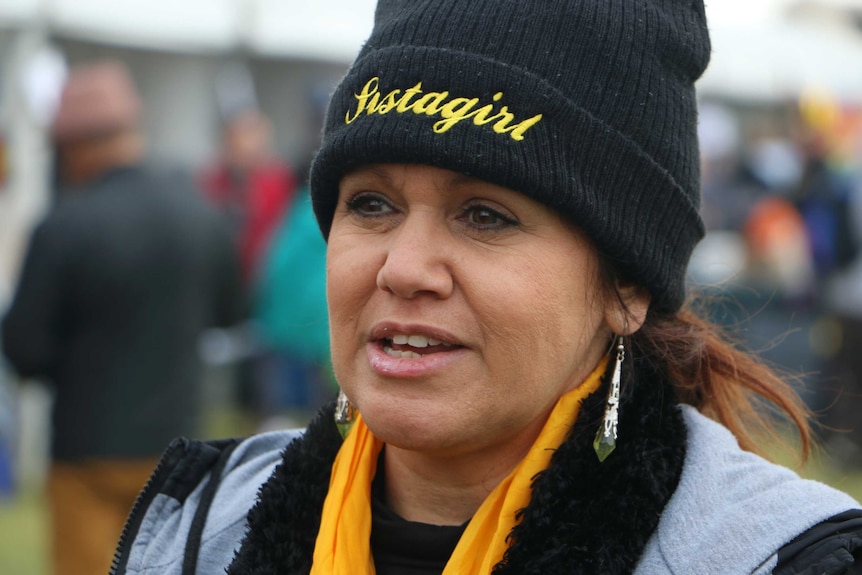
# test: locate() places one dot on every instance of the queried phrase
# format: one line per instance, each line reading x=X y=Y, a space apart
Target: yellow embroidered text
x=439 y=104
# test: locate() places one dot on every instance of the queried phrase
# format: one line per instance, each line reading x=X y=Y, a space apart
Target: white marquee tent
x=317 y=29
x=757 y=52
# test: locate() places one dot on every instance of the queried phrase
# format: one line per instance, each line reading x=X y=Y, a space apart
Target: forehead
x=395 y=173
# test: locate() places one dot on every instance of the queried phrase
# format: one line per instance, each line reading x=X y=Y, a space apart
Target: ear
x=626 y=309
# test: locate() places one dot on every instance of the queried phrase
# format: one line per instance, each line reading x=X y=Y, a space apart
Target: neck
x=87 y=160
x=446 y=489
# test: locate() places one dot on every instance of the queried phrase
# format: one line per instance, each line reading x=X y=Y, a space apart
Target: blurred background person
x=118 y=282
x=843 y=295
x=254 y=188
x=285 y=374
x=829 y=197
x=291 y=320
x=289 y=310
x=249 y=182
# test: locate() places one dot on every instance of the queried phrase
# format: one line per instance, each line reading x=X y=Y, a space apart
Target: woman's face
x=460 y=310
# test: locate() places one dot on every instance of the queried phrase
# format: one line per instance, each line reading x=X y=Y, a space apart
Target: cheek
x=350 y=270
x=350 y=281
x=542 y=338
x=552 y=316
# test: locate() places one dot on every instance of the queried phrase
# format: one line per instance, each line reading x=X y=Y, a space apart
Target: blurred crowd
x=128 y=279
x=782 y=260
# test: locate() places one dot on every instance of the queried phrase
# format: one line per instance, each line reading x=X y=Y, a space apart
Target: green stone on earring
x=604 y=443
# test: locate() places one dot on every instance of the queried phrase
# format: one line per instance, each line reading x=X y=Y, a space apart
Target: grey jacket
x=730 y=513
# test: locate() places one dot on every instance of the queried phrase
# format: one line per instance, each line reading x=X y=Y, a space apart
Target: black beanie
x=587 y=106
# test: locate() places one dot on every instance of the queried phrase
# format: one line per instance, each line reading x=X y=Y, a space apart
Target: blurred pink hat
x=97 y=99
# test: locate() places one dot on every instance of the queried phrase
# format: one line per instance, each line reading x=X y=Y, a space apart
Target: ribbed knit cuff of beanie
x=586 y=106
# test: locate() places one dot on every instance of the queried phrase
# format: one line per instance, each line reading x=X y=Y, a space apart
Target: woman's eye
x=483 y=217
x=369 y=205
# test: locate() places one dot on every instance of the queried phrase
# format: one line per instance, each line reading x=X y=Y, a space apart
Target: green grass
x=849 y=481
x=24 y=516
x=823 y=466
x=23 y=528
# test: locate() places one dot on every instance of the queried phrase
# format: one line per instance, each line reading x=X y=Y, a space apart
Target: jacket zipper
x=166 y=464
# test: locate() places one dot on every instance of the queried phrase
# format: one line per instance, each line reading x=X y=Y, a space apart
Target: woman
x=509 y=192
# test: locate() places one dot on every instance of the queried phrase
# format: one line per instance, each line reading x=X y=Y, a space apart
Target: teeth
x=419 y=341
x=401 y=354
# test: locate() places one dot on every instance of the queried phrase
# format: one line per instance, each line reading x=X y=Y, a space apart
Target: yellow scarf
x=342 y=545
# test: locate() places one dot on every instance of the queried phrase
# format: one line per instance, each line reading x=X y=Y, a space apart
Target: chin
x=415 y=432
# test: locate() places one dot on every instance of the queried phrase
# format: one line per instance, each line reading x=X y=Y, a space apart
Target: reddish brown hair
x=715 y=374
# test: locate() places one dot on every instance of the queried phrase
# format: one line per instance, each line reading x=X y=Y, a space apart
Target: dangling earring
x=345 y=414
x=606 y=436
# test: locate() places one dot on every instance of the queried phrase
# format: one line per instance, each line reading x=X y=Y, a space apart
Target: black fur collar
x=585 y=517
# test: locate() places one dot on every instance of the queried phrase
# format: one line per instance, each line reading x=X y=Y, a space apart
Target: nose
x=416 y=263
